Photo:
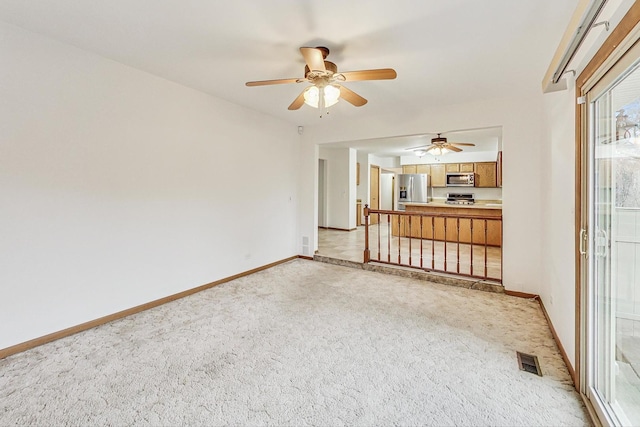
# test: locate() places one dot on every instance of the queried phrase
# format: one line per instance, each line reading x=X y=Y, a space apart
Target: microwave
x=461 y=179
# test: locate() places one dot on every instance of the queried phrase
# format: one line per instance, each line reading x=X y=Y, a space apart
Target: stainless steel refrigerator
x=412 y=187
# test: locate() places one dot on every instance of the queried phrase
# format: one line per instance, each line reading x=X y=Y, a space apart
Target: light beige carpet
x=303 y=343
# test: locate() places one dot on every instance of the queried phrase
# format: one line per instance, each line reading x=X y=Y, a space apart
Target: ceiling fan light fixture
x=439 y=151
x=330 y=93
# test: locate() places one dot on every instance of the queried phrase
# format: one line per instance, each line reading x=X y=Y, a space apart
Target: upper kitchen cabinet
x=486 y=174
x=452 y=167
x=416 y=169
x=423 y=169
x=459 y=167
x=438 y=175
x=409 y=168
x=467 y=167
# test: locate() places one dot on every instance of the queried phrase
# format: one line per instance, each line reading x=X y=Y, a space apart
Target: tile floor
x=456 y=259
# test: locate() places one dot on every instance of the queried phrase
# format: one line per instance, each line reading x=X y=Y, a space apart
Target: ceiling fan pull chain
x=321 y=102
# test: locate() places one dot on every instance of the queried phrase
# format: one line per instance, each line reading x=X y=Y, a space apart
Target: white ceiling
x=445 y=52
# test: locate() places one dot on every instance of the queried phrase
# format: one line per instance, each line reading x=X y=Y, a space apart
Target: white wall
x=464 y=157
x=557 y=154
x=341 y=187
x=385 y=162
x=557 y=151
x=118 y=187
x=522 y=167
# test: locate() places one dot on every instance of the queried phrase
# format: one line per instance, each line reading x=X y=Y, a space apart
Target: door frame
x=614 y=47
x=371 y=171
x=322 y=193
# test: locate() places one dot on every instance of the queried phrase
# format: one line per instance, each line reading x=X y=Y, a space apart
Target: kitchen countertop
x=446 y=205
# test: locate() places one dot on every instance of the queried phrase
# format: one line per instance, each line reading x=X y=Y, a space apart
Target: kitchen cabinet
x=409 y=168
x=459 y=167
x=467 y=167
x=423 y=169
x=486 y=174
x=451 y=229
x=417 y=169
x=438 y=176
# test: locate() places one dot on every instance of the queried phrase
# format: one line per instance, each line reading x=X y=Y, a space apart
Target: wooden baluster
x=485 y=248
x=389 y=238
x=433 y=242
x=471 y=248
x=410 y=238
x=421 y=240
x=378 y=225
x=445 y=244
x=399 y=239
x=458 y=245
x=367 y=255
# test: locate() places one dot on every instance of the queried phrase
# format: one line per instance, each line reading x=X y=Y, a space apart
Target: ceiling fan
x=440 y=145
x=325 y=89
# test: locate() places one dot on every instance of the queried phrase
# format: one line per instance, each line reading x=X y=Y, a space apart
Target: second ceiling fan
x=440 y=145
x=326 y=88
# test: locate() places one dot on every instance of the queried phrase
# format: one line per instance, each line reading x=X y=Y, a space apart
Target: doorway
x=322 y=193
x=610 y=242
x=374 y=188
x=387 y=183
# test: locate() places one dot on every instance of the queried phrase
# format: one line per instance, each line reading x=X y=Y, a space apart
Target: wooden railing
x=463 y=245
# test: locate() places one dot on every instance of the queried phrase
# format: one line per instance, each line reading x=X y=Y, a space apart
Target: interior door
x=612 y=282
x=374 y=198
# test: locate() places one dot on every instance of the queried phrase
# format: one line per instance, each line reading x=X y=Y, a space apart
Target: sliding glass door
x=612 y=244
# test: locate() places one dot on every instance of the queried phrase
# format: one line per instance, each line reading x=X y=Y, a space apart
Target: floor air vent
x=529 y=363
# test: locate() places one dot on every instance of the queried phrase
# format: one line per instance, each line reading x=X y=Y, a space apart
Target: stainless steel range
x=460 y=199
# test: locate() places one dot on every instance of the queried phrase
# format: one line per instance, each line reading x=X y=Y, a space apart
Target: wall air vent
x=529 y=363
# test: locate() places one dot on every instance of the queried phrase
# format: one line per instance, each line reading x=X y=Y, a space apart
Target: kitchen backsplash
x=479 y=193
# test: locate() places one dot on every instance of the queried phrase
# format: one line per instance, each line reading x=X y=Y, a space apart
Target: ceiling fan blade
x=313 y=57
x=466 y=144
x=452 y=148
x=273 y=82
x=352 y=97
x=379 y=74
x=298 y=102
